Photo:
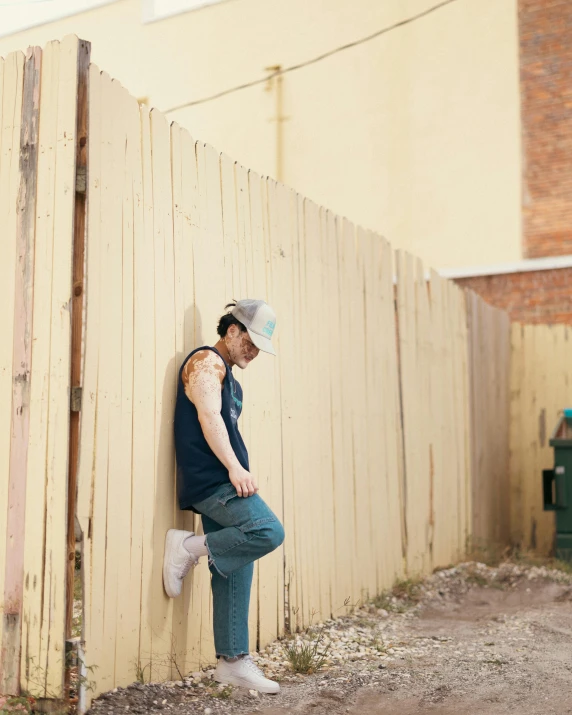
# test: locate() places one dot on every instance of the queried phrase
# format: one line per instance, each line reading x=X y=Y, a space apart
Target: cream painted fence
x=175 y=231
x=541 y=387
x=489 y=372
x=37 y=189
x=360 y=432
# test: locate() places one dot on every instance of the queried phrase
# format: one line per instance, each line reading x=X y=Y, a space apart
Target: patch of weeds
x=380 y=646
x=22 y=704
x=383 y=600
x=307 y=656
x=401 y=596
x=222 y=693
x=77 y=616
x=408 y=589
x=495 y=661
x=365 y=623
x=489 y=644
x=475 y=578
x=389 y=603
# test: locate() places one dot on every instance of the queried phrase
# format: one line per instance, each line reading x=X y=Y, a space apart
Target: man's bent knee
x=272 y=535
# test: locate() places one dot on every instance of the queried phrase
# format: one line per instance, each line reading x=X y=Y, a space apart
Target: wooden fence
x=362 y=431
x=489 y=371
x=541 y=387
x=38 y=108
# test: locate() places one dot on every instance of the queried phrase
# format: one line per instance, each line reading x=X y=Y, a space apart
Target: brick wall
x=528 y=297
x=546 y=96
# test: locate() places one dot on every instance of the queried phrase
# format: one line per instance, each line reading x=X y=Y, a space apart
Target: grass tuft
x=401 y=596
x=307 y=656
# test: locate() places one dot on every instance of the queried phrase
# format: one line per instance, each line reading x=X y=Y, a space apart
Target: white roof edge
x=533 y=264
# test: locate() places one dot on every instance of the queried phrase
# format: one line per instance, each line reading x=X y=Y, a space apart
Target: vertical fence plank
x=276 y=564
x=14 y=360
x=293 y=516
x=366 y=425
x=137 y=397
x=144 y=464
x=282 y=250
x=22 y=359
x=111 y=356
x=393 y=426
x=274 y=256
x=165 y=382
x=77 y=312
x=127 y=625
x=376 y=346
x=341 y=422
x=6 y=328
x=88 y=484
x=183 y=175
x=256 y=400
x=210 y=299
x=197 y=588
x=327 y=555
x=332 y=365
x=52 y=653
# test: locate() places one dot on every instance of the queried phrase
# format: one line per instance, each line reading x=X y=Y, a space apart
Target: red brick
x=545 y=28
x=528 y=297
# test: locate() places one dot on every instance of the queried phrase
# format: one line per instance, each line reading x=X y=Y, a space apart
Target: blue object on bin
x=568 y=413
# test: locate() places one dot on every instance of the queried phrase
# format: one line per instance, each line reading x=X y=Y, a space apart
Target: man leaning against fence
x=213 y=480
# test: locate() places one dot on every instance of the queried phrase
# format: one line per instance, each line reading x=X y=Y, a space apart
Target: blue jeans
x=239 y=531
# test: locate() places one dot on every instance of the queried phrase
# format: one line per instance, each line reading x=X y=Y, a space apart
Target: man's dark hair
x=227 y=320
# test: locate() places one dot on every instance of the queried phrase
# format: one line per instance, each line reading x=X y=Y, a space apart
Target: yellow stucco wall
x=415 y=134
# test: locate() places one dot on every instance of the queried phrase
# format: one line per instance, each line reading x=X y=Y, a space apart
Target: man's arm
x=203 y=379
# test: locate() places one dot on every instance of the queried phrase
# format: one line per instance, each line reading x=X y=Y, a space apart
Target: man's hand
x=242 y=481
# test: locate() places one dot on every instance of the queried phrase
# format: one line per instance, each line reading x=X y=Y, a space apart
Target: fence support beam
x=84 y=52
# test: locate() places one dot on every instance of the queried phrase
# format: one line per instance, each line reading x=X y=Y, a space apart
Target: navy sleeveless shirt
x=199 y=470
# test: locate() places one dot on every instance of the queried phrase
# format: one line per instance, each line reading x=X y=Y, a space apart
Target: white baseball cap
x=259 y=319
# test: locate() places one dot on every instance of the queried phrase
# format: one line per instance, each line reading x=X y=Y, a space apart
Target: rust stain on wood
x=542 y=427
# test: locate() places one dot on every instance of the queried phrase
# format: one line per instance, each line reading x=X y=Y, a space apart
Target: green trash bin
x=557 y=485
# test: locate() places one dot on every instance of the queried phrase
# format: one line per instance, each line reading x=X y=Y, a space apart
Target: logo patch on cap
x=268 y=329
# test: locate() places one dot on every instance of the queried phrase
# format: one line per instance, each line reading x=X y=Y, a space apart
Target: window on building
x=159 y=9
x=18 y=15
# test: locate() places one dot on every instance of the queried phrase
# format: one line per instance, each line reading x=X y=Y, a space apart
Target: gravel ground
x=469 y=639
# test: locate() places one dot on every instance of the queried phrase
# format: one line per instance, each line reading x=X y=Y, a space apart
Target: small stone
x=254 y=693
x=208 y=711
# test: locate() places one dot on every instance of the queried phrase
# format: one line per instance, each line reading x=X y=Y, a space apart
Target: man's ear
x=231 y=331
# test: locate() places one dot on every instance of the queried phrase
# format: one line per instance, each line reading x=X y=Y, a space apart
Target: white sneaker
x=246 y=674
x=177 y=561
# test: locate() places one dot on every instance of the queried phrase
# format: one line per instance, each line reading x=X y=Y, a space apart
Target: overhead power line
x=312 y=61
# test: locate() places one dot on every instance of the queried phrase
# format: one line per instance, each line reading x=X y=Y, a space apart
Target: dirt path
x=479 y=641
